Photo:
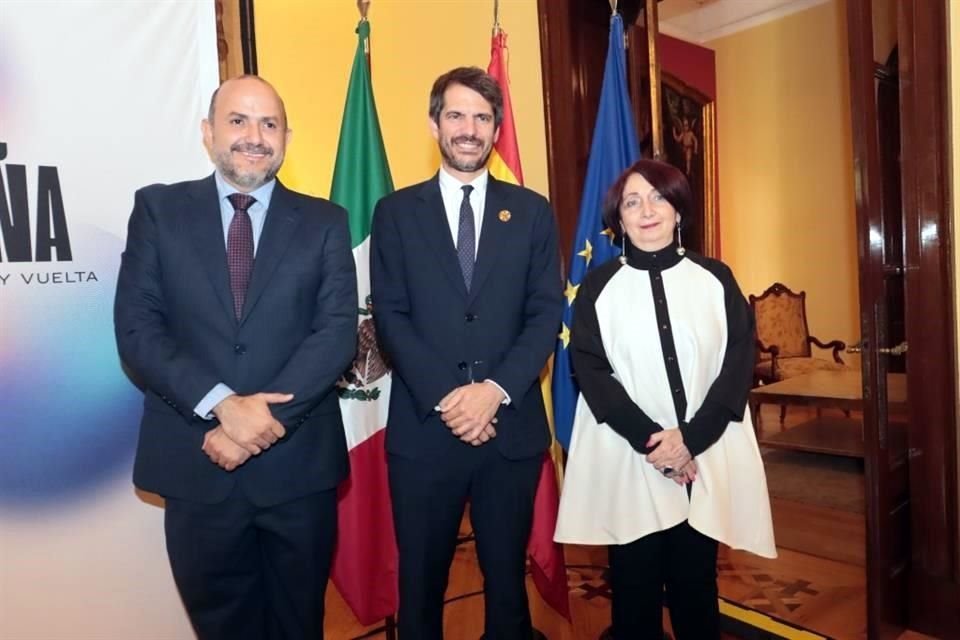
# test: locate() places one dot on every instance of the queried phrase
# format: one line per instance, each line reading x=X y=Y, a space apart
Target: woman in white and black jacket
x=663 y=463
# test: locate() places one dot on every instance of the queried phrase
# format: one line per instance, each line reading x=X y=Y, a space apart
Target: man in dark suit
x=467 y=301
x=236 y=312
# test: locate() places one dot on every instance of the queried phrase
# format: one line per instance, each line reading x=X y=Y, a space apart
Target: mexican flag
x=547 y=564
x=365 y=561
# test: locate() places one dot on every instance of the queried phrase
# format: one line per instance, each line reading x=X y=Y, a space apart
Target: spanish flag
x=547 y=565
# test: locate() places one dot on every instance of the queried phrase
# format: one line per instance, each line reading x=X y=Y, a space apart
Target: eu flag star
x=571 y=292
x=565 y=335
x=587 y=252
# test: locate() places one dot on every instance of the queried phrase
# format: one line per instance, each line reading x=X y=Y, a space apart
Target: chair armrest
x=773 y=349
x=836 y=345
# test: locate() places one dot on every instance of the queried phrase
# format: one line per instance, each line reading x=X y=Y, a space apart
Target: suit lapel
x=206 y=232
x=279 y=227
x=493 y=233
x=436 y=230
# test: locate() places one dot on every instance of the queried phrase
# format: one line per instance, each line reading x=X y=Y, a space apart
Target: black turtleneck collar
x=652 y=260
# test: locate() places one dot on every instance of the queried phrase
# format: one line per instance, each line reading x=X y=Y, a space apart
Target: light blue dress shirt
x=258 y=215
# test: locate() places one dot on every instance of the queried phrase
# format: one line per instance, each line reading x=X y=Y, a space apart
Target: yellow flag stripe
x=500 y=169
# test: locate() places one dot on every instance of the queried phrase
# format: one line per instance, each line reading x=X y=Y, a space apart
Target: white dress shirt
x=451 y=190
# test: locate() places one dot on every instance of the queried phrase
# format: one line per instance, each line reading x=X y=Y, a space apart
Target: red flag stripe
x=506 y=145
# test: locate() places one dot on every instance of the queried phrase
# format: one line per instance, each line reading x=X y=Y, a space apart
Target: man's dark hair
x=473 y=78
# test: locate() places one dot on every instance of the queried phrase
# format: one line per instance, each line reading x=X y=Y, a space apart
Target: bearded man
x=467 y=302
x=236 y=313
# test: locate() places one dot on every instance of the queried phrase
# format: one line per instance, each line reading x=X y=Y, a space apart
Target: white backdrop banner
x=96 y=100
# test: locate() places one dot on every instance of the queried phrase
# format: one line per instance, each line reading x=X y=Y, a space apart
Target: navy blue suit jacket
x=178 y=335
x=436 y=333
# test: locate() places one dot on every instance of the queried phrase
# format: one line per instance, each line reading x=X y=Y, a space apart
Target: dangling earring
x=680 y=250
x=623 y=247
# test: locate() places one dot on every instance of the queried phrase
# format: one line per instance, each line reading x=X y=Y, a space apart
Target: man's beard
x=466 y=166
x=249 y=179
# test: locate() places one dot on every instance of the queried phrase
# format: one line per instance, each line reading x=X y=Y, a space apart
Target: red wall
x=693 y=64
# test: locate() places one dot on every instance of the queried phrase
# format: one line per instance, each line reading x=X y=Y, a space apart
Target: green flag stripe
x=361 y=175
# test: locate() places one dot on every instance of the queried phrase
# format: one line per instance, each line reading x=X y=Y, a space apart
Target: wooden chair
x=784 y=340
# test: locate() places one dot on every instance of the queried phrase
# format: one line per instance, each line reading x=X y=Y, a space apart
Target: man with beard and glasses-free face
x=467 y=302
x=236 y=313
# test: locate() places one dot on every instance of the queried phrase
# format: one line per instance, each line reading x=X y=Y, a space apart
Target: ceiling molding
x=679 y=33
x=725 y=17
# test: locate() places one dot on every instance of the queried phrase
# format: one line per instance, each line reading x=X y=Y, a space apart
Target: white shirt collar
x=448 y=183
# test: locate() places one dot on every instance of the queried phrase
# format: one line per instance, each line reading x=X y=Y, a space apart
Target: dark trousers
x=246 y=572
x=685 y=562
x=428 y=502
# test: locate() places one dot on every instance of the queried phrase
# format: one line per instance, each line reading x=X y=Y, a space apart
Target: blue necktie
x=466 y=237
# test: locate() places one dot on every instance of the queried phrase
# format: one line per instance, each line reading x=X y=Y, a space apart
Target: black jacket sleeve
x=607 y=398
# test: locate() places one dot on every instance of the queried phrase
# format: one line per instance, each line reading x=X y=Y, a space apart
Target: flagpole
x=656 y=116
x=363 y=6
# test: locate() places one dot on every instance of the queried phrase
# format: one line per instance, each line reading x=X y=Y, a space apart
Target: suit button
x=470 y=317
x=239 y=349
x=461 y=365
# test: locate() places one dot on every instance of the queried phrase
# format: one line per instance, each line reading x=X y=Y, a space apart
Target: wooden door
x=911 y=458
x=887 y=483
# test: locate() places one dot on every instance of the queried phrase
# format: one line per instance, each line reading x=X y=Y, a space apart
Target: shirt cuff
x=204 y=408
x=506 y=396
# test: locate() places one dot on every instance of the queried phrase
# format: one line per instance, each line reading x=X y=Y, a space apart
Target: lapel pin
x=504 y=216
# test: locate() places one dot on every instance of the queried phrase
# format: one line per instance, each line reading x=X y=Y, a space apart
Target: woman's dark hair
x=473 y=78
x=665 y=178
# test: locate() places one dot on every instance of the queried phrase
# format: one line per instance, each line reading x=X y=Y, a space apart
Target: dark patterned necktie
x=240 y=248
x=466 y=237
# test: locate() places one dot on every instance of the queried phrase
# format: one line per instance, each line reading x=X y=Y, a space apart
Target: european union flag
x=614 y=148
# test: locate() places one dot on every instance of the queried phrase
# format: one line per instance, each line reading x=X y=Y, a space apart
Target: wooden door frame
x=561 y=117
x=236 y=38
x=887 y=613
x=933 y=571
x=931 y=325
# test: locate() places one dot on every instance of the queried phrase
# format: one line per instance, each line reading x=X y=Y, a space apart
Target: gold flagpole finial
x=496 y=17
x=363 y=6
x=613 y=7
